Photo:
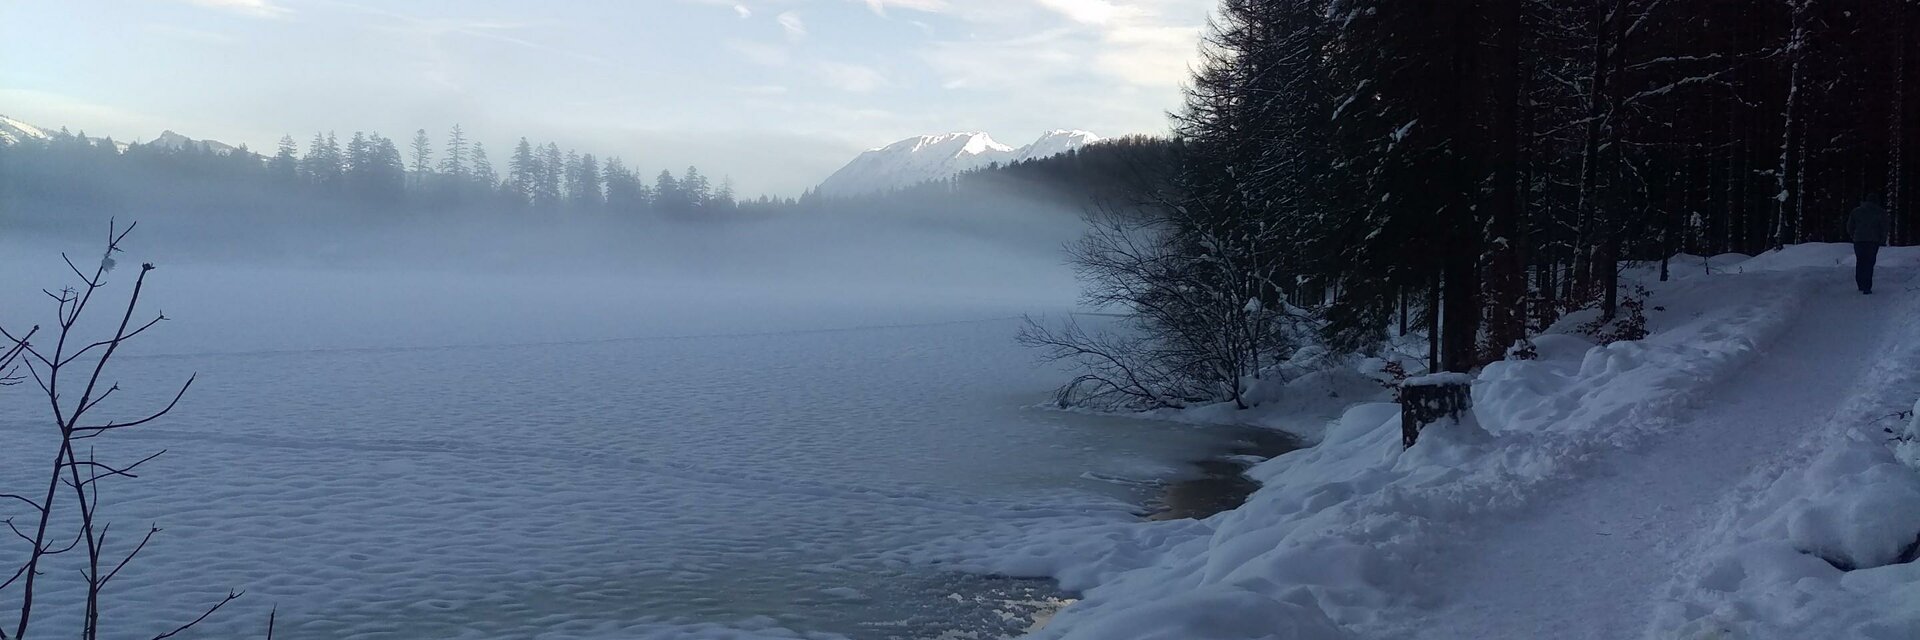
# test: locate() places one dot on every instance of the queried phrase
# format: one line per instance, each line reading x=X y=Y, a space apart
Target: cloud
x=879 y=7
x=1029 y=45
x=790 y=22
x=743 y=11
x=255 y=8
x=1097 y=12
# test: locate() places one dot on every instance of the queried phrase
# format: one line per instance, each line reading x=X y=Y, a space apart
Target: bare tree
x=73 y=360
x=1199 y=307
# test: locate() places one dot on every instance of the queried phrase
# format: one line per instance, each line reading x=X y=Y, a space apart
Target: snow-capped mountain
x=15 y=132
x=919 y=159
x=1055 y=143
x=170 y=140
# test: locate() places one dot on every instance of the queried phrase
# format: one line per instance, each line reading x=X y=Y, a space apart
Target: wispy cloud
x=255 y=8
x=1021 y=45
x=1098 y=12
x=795 y=28
x=879 y=7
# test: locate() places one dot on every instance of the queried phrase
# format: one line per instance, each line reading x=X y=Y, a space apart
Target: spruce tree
x=422 y=155
x=285 y=165
x=455 y=164
x=523 y=173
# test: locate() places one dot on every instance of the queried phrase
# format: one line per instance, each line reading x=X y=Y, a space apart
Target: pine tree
x=285 y=165
x=668 y=197
x=422 y=159
x=482 y=175
x=389 y=172
x=454 y=165
x=696 y=193
x=322 y=164
x=723 y=199
x=547 y=190
x=585 y=190
x=361 y=171
x=523 y=173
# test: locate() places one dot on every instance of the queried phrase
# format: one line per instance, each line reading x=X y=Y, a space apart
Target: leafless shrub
x=72 y=362
x=1202 y=313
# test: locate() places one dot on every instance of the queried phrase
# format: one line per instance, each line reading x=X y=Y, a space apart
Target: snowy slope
x=920 y=159
x=1582 y=481
x=14 y=131
x=1055 y=143
x=170 y=140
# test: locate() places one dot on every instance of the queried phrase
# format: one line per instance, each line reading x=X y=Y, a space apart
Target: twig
x=231 y=596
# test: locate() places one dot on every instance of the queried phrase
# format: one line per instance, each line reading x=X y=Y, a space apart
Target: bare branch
x=150 y=418
x=231 y=596
x=151 y=530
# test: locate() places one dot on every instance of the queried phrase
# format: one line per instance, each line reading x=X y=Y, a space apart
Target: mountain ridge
x=15 y=131
x=919 y=159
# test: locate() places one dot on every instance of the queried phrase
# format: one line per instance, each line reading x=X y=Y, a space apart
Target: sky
x=775 y=94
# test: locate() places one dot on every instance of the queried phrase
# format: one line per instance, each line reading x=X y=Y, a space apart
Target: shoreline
x=1222 y=484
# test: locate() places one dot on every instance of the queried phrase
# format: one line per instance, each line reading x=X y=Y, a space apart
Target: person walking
x=1867 y=227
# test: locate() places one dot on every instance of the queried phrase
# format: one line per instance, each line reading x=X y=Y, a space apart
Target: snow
x=1438 y=379
x=170 y=140
x=1809 y=544
x=932 y=157
x=1054 y=143
x=1579 y=482
x=14 y=131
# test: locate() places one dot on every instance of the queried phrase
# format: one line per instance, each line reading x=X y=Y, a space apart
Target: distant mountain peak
x=15 y=132
x=932 y=157
x=170 y=140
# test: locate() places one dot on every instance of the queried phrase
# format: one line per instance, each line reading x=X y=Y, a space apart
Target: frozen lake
x=442 y=457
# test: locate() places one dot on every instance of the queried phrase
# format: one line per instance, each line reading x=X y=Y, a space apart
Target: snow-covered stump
x=1426 y=399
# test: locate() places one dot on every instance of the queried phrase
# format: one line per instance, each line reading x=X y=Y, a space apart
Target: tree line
x=366 y=171
x=1471 y=172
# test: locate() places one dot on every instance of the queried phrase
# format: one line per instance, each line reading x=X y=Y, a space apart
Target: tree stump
x=1427 y=399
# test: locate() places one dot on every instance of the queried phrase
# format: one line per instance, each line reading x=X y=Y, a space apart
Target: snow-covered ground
x=1582 y=482
x=407 y=455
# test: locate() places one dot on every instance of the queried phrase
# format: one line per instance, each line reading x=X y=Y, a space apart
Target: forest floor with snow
x=1749 y=470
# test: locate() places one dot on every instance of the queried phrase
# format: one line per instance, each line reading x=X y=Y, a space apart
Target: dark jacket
x=1868 y=223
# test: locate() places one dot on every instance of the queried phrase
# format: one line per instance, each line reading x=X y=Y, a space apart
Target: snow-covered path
x=1587 y=561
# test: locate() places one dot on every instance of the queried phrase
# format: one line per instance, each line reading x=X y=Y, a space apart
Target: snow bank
x=1303 y=402
x=1333 y=542
x=1825 y=254
x=1820 y=545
